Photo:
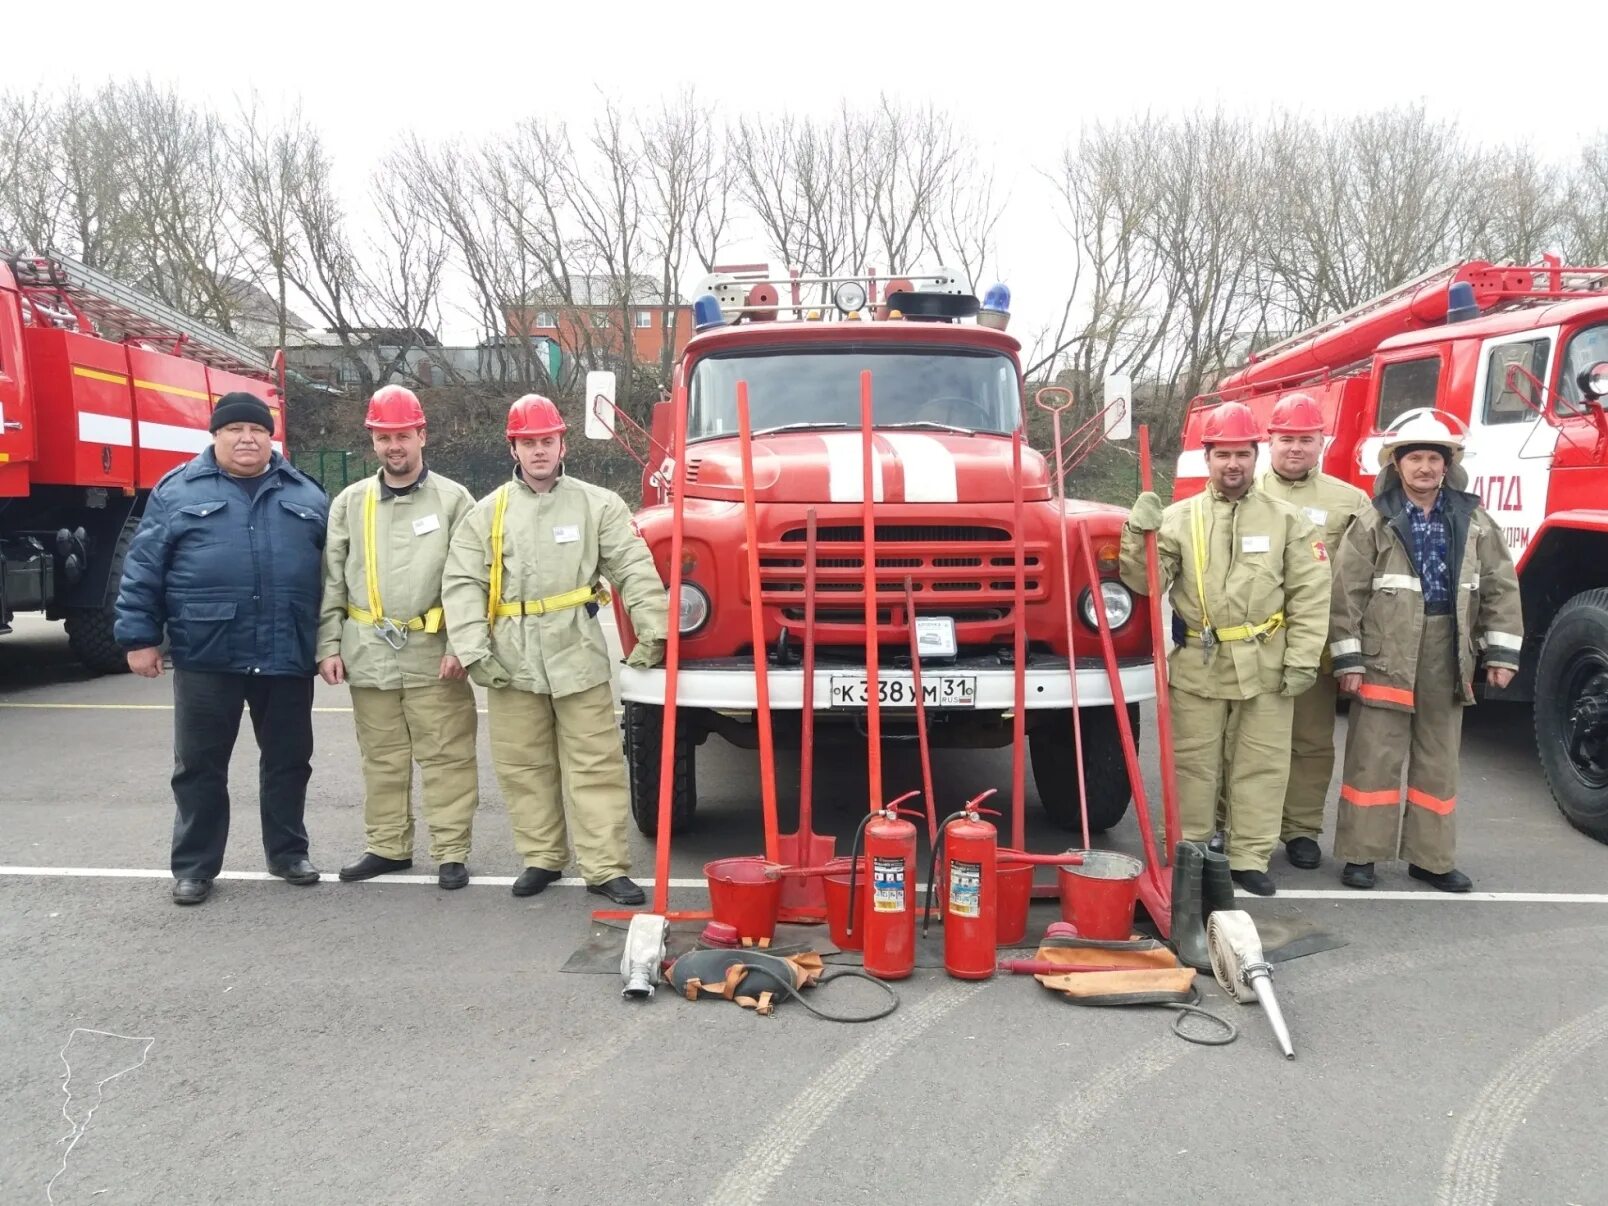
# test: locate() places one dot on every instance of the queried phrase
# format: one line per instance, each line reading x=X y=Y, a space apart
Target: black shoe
x=298 y=871
x=534 y=880
x=1217 y=843
x=1447 y=881
x=1188 y=934
x=620 y=890
x=1358 y=875
x=452 y=875
x=191 y=891
x=1257 y=883
x=372 y=864
x=1304 y=853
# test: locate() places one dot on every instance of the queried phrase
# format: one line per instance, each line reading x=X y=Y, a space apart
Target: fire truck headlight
x=694 y=608
x=849 y=297
x=1118 y=605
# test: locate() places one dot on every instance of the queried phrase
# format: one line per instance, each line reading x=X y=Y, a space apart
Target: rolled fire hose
x=1238 y=964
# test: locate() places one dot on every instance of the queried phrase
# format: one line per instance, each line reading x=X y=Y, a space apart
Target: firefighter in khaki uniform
x=381 y=632
x=1295 y=446
x=1250 y=597
x=522 y=591
x=1424 y=589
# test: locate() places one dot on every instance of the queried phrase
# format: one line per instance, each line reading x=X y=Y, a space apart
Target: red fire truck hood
x=828 y=466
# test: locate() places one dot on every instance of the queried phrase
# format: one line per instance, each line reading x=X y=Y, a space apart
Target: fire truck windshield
x=955 y=390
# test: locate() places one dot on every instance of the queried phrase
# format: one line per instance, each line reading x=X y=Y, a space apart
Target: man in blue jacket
x=228 y=559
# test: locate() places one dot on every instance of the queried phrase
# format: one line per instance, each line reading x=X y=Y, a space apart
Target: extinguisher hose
x=932 y=866
x=854 y=867
x=856 y=973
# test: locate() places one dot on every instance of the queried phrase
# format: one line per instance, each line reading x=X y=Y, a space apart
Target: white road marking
x=1473 y=1172
x=502 y=881
x=768 y=1158
x=494 y=881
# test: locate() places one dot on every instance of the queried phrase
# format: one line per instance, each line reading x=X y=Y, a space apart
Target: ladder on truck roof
x=94 y=299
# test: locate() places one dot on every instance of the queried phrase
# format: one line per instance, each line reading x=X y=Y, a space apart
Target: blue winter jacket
x=236 y=580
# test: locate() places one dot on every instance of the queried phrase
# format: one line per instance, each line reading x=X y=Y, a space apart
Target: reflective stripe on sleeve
x=1396 y=581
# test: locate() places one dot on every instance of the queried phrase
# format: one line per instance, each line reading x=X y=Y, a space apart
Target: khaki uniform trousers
x=547 y=748
x=433 y=725
x=1370 y=825
x=1311 y=759
x=1239 y=750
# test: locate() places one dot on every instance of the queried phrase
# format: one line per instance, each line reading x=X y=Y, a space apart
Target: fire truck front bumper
x=978 y=684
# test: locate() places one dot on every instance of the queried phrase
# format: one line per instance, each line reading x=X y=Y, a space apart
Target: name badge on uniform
x=566 y=533
x=426 y=523
x=1317 y=515
x=1254 y=544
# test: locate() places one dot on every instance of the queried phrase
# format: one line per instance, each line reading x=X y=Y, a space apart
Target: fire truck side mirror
x=1118 y=406
x=1594 y=382
x=599 y=395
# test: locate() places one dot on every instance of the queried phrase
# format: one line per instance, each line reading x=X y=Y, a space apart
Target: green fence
x=333 y=468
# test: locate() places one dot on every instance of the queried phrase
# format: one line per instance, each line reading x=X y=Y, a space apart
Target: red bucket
x=837 y=906
x=1015 y=882
x=746 y=895
x=1099 y=897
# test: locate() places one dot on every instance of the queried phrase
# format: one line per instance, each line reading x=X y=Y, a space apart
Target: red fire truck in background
x=1518 y=358
x=102 y=391
x=948 y=394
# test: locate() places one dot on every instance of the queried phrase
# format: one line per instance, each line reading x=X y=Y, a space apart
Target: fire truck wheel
x=1105 y=774
x=89 y=629
x=644 y=726
x=1571 y=711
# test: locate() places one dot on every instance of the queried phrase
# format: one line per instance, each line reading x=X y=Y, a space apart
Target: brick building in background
x=589 y=325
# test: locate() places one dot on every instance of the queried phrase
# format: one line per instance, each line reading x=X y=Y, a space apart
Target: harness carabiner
x=392 y=633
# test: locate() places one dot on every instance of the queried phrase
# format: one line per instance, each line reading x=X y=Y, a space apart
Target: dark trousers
x=206 y=721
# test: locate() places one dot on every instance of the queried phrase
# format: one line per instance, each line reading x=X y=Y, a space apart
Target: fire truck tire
x=89 y=629
x=1571 y=711
x=644 y=728
x=1105 y=773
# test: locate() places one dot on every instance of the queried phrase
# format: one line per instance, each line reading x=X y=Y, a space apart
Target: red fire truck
x=1518 y=358
x=948 y=395
x=102 y=391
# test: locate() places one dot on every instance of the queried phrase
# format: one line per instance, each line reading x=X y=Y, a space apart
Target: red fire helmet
x=1296 y=414
x=534 y=416
x=1231 y=423
x=394 y=408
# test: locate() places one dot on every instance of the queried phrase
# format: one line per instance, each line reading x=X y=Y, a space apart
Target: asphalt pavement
x=390 y=1042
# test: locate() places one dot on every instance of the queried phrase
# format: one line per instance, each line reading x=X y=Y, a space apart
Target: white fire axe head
x=641 y=964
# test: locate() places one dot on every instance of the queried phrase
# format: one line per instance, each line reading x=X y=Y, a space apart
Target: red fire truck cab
x=1517 y=358
x=102 y=391
x=948 y=395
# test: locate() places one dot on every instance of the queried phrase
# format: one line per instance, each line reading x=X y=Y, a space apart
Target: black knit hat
x=241 y=407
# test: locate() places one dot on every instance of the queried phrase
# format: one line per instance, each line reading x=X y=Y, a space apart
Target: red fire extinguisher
x=969 y=872
x=889 y=868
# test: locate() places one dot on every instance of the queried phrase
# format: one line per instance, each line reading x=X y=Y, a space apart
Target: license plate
x=899 y=691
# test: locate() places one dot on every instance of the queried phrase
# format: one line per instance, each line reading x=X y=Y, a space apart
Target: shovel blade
x=805 y=850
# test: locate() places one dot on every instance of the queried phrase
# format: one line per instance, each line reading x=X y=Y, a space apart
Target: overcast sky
x=1021 y=80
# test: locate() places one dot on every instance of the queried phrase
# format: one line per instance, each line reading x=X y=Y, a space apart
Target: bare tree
x=1583 y=224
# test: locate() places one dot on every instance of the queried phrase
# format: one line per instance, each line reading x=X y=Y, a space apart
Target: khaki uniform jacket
x=1379 y=599
x=1331 y=505
x=411 y=534
x=1263 y=556
x=575 y=535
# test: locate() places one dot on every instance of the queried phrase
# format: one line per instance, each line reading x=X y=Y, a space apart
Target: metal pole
x=756 y=616
x=672 y=656
x=873 y=715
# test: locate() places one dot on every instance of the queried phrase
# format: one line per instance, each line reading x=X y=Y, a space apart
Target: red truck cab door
x=17 y=439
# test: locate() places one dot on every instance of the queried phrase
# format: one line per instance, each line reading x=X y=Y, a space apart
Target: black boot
x=1188 y=906
x=1447 y=881
x=1218 y=882
x=1358 y=875
x=372 y=864
x=1258 y=883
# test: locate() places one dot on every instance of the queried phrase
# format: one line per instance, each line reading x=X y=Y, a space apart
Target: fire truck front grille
x=942 y=561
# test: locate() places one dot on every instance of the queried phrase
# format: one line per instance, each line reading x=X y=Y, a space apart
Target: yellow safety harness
x=395 y=632
x=1208 y=635
x=495 y=607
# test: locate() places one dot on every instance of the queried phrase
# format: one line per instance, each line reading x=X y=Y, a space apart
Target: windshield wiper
x=795 y=427
x=935 y=426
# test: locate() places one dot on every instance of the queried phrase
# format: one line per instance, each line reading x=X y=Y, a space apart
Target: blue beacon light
x=996 y=308
x=706 y=313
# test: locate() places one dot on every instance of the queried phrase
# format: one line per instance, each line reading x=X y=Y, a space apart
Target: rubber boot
x=1217 y=883
x=1188 y=906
